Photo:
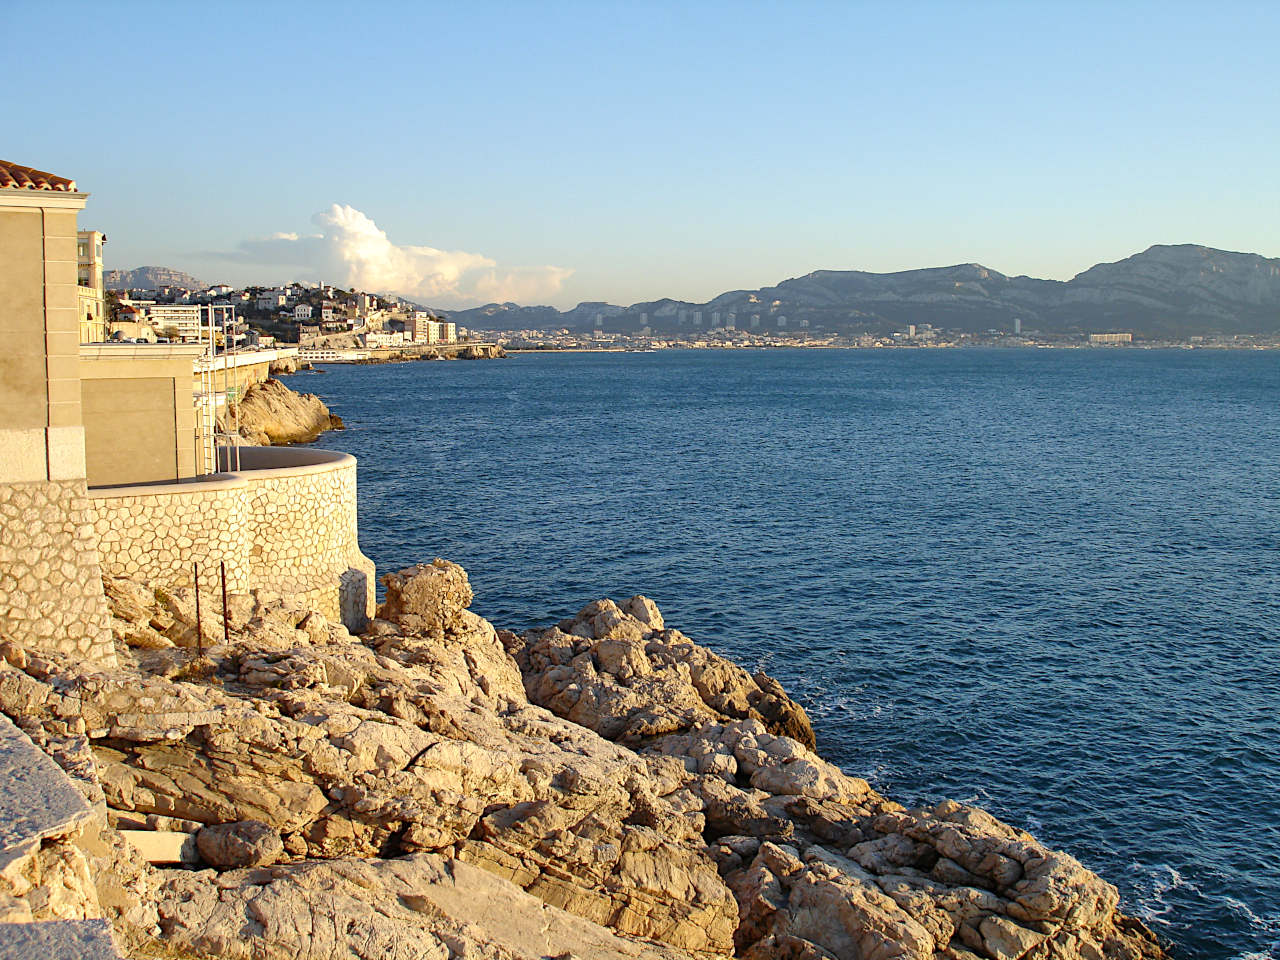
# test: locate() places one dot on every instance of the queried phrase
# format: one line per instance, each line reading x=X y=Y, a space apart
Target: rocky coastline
x=440 y=788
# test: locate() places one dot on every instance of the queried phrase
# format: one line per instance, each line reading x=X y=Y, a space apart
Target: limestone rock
x=619 y=671
x=426 y=598
x=245 y=843
x=417 y=908
x=437 y=788
x=270 y=413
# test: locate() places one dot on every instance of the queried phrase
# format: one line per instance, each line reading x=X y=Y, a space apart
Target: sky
x=461 y=153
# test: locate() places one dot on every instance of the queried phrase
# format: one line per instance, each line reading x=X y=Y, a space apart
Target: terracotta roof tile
x=16 y=175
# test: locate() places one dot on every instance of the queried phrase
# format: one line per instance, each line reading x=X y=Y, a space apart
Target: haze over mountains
x=1167 y=290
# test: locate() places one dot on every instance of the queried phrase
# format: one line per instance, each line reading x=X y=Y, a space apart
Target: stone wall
x=285 y=521
x=50 y=579
x=157 y=533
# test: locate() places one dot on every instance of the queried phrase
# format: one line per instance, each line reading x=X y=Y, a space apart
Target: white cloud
x=352 y=251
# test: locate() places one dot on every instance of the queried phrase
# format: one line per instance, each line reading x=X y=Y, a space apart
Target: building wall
x=130 y=432
x=139 y=413
x=50 y=581
x=286 y=522
x=23 y=395
x=39 y=378
x=91 y=311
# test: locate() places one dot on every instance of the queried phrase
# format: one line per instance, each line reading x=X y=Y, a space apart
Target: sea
x=1040 y=581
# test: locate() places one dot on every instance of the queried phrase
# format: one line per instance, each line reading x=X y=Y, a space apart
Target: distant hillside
x=1174 y=291
x=148 y=278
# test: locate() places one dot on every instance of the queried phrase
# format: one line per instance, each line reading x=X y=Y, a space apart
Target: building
x=42 y=438
x=92 y=294
x=377 y=338
x=302 y=312
x=326 y=313
x=365 y=304
x=270 y=300
x=101 y=460
x=420 y=327
x=1104 y=338
x=175 y=321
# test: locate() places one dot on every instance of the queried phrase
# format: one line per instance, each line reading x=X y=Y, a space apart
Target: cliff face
x=605 y=788
x=270 y=413
x=148 y=278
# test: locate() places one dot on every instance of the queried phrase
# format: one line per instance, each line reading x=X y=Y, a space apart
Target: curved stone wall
x=282 y=519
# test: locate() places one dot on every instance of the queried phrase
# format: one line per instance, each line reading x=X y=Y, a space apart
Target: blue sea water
x=1041 y=581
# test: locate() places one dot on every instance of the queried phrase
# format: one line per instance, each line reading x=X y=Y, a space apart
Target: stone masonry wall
x=50 y=579
x=157 y=537
x=293 y=533
x=305 y=536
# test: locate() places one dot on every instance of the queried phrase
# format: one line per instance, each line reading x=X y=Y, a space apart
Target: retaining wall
x=284 y=521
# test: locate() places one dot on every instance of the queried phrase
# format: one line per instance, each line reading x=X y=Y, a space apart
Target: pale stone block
x=66 y=453
x=163 y=846
x=26 y=457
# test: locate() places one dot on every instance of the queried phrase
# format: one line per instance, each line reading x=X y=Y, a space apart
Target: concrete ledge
x=147 y=351
x=57 y=940
x=259 y=462
x=38 y=800
x=183 y=488
x=256 y=463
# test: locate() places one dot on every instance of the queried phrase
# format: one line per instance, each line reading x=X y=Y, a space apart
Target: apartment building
x=91 y=293
x=180 y=321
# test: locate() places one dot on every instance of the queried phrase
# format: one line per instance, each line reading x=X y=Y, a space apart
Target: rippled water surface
x=1043 y=581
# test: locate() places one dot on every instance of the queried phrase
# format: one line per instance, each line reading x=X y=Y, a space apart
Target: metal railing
x=210 y=438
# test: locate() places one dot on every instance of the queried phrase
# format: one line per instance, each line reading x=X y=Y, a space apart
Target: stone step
x=57 y=940
x=38 y=800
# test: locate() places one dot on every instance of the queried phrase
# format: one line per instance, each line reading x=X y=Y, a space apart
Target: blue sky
x=565 y=152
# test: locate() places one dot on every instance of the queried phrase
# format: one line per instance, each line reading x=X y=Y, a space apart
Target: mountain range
x=1165 y=291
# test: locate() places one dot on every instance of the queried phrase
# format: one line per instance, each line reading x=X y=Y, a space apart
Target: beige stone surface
x=427 y=597
x=57 y=940
x=50 y=577
x=419 y=907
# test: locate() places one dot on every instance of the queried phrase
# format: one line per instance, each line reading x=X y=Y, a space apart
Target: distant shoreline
x=1243 y=348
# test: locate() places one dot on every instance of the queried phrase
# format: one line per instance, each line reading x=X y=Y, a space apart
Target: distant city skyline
x=550 y=154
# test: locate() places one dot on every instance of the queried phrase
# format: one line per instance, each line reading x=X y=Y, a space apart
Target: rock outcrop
x=282 y=366
x=270 y=413
x=437 y=788
x=619 y=671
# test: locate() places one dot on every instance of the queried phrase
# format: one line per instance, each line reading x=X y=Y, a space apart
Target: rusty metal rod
x=195 y=577
x=226 y=628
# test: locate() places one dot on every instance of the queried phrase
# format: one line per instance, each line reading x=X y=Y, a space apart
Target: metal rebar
x=195 y=577
x=226 y=628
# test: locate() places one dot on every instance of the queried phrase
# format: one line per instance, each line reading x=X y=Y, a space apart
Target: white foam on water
x=1269 y=925
x=1153 y=881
